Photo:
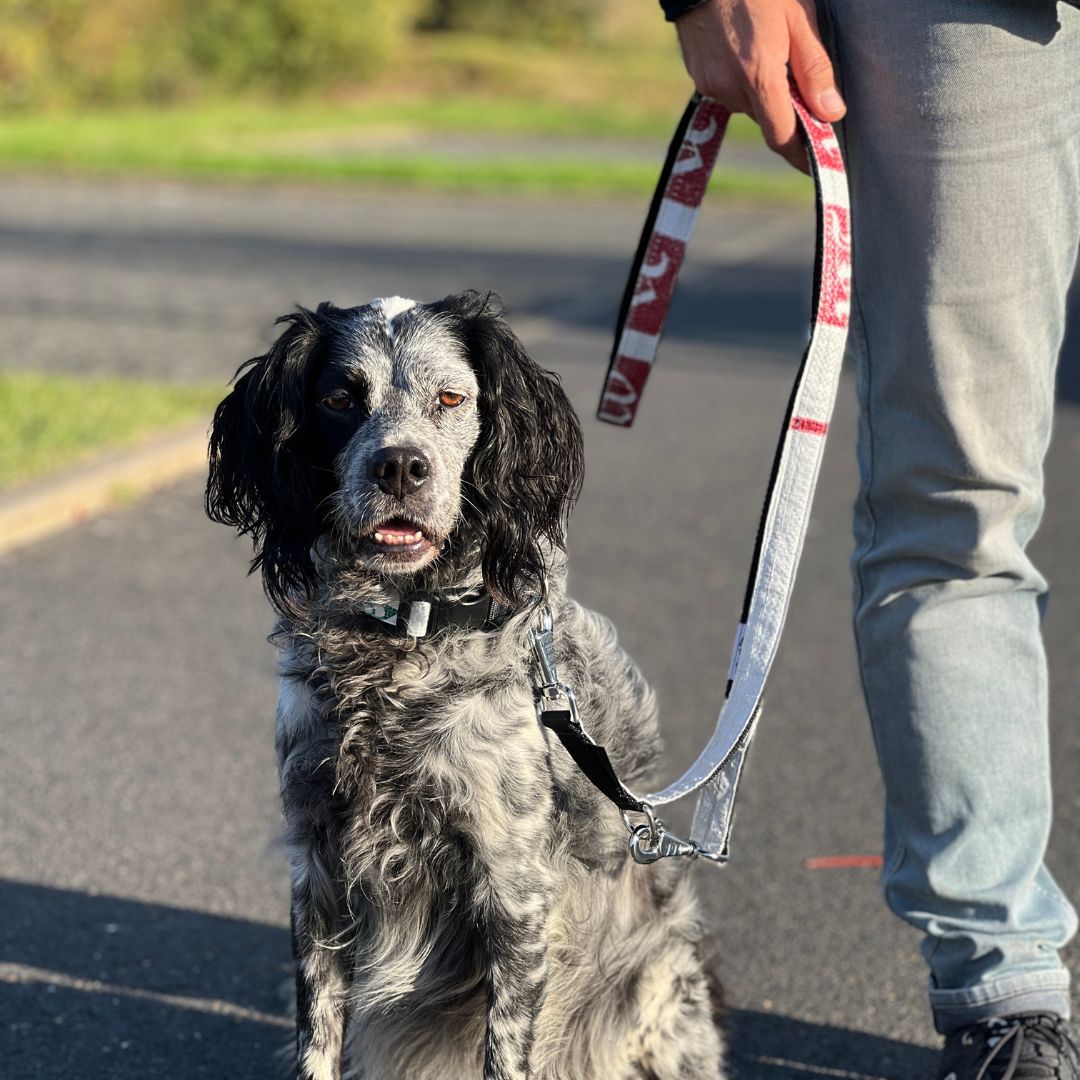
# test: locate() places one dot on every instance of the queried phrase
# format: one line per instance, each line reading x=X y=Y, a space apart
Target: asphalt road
x=143 y=909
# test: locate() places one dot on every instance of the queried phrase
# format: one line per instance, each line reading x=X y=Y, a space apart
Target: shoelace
x=1014 y=1035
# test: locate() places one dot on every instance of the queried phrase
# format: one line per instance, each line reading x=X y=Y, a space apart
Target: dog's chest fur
x=429 y=767
x=439 y=842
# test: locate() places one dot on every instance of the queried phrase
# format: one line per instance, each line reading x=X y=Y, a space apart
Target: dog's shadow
x=102 y=988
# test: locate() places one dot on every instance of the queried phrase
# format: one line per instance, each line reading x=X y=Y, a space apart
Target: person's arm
x=738 y=52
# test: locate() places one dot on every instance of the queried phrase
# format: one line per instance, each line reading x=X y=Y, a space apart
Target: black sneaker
x=1030 y=1046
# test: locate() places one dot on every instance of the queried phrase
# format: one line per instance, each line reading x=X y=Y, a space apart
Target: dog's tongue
x=397 y=527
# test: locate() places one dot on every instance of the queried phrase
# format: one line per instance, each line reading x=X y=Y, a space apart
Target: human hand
x=738 y=52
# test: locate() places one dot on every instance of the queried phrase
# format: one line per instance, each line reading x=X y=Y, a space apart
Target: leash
x=786 y=513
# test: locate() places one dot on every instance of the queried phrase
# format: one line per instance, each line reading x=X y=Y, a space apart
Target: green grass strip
x=48 y=422
x=303 y=143
x=242 y=119
x=510 y=176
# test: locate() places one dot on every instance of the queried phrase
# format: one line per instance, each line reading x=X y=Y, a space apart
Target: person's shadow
x=765 y=1046
x=100 y=988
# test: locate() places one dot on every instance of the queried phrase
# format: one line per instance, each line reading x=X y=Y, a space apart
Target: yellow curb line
x=49 y=506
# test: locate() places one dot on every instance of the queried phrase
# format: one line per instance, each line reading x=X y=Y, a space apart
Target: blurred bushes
x=290 y=45
x=544 y=20
x=110 y=51
x=88 y=52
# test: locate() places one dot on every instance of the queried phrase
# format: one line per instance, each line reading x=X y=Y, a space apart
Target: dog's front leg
x=306 y=752
x=514 y=846
x=516 y=933
x=322 y=973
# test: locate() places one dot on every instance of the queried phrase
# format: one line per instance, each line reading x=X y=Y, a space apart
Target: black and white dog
x=463 y=900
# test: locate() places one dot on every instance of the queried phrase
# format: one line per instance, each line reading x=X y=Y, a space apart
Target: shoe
x=1029 y=1046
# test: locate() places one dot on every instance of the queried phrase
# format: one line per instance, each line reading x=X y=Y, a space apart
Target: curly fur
x=463 y=903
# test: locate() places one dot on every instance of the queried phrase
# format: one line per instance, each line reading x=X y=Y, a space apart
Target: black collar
x=423 y=614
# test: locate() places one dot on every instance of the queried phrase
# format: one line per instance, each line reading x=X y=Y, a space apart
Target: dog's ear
x=260 y=469
x=527 y=467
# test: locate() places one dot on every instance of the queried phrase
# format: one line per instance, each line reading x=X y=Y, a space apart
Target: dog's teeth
x=398 y=539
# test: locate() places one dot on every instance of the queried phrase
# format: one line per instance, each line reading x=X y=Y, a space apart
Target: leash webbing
x=789 y=496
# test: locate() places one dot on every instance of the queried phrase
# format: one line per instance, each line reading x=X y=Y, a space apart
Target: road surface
x=142 y=878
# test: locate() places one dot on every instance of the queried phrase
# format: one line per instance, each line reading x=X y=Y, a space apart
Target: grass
x=453 y=85
x=48 y=422
x=261 y=142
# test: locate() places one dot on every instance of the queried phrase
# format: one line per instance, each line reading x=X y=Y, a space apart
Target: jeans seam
x=862 y=343
x=865 y=496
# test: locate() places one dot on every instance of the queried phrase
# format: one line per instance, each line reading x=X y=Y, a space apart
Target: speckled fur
x=463 y=901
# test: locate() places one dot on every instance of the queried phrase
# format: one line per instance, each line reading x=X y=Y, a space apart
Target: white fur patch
x=392 y=307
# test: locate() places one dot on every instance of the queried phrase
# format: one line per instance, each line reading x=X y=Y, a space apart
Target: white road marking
x=25 y=973
x=817 y=1070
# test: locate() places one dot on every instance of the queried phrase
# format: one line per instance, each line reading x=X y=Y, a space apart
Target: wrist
x=674 y=9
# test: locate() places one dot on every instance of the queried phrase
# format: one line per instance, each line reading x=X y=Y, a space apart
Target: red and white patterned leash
x=790 y=494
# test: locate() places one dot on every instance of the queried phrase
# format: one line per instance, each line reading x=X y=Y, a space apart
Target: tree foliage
x=549 y=20
x=104 y=51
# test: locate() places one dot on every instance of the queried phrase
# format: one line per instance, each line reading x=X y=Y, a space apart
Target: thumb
x=813 y=72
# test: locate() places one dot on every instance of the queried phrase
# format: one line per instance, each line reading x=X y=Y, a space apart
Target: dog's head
x=420 y=437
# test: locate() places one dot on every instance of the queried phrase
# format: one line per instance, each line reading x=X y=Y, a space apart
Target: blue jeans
x=963 y=143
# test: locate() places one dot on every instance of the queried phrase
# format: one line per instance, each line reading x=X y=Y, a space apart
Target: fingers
x=775 y=115
x=812 y=69
x=710 y=58
x=738 y=52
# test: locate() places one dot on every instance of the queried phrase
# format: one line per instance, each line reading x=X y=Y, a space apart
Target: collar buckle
x=423 y=614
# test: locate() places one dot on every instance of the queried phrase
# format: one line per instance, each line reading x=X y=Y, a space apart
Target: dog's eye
x=450 y=399
x=338 y=401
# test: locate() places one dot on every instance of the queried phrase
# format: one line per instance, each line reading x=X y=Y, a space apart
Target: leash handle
x=666 y=234
x=786 y=513
x=665 y=237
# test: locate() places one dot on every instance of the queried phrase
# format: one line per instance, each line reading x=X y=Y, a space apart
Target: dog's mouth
x=403 y=540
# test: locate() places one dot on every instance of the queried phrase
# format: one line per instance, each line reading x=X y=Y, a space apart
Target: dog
x=463 y=901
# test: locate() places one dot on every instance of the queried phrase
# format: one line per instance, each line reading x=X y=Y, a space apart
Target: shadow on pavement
x=749 y=304
x=756 y=304
x=765 y=1046
x=102 y=988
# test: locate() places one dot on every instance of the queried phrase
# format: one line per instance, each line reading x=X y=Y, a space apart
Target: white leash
x=717 y=770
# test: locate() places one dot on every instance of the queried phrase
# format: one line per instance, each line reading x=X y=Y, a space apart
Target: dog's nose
x=399 y=470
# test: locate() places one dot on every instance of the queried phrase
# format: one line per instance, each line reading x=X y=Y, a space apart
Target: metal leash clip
x=542 y=640
x=651 y=841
